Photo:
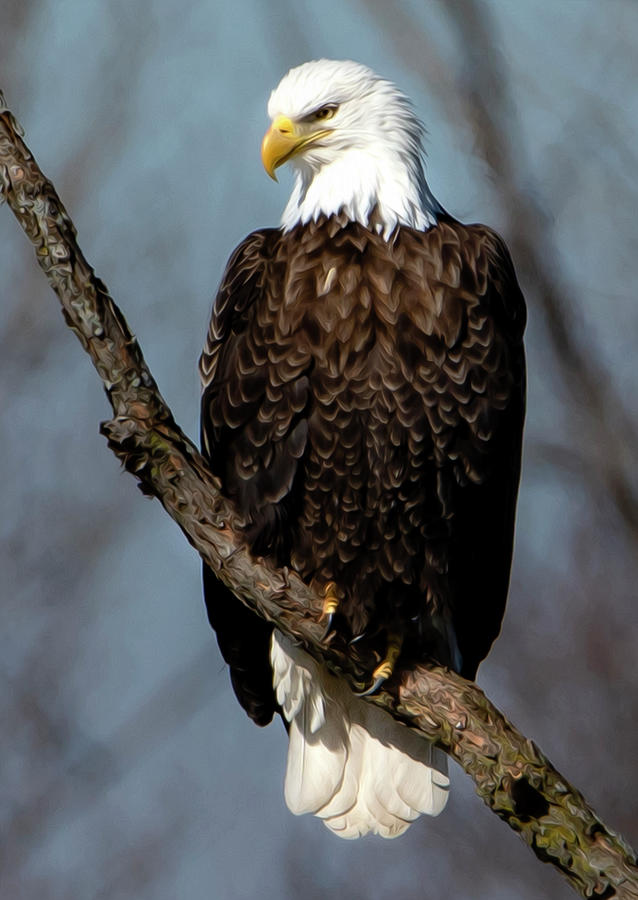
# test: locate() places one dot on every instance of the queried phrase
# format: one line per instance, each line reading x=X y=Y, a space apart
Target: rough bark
x=510 y=773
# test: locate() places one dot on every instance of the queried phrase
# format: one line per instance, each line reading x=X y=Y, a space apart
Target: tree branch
x=510 y=773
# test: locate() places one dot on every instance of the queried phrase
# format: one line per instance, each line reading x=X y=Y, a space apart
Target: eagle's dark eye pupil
x=326 y=112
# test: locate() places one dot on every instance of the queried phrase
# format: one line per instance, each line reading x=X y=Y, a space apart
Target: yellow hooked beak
x=282 y=141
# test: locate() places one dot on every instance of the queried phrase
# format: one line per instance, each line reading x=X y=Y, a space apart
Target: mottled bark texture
x=511 y=774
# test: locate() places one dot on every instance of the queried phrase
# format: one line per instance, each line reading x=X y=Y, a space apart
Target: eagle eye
x=323 y=113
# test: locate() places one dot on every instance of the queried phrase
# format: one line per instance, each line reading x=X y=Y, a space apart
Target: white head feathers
x=370 y=164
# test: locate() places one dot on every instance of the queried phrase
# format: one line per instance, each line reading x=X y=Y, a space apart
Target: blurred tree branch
x=510 y=773
x=495 y=123
x=481 y=97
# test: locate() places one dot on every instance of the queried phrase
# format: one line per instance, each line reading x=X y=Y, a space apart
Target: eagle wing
x=253 y=433
x=473 y=389
x=243 y=637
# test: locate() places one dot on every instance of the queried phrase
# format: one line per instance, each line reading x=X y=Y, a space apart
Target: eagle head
x=354 y=143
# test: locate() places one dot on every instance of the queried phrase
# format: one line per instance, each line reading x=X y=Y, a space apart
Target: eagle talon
x=330 y=606
x=385 y=667
x=376 y=684
x=380 y=674
x=328 y=627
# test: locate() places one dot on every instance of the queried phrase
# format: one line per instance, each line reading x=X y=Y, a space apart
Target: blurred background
x=127 y=767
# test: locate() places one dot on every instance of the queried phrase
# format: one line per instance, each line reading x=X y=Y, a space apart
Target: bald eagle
x=363 y=402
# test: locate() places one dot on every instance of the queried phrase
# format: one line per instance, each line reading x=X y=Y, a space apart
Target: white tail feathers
x=349 y=762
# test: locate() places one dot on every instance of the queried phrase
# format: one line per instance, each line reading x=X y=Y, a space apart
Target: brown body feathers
x=363 y=405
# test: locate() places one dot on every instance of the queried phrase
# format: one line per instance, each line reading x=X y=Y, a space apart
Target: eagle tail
x=349 y=762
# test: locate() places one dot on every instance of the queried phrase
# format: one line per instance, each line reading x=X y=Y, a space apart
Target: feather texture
x=350 y=763
x=363 y=405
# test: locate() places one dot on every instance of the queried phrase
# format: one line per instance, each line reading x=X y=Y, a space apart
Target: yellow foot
x=330 y=605
x=386 y=667
x=331 y=601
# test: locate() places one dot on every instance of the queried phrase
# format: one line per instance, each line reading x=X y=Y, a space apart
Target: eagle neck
x=370 y=188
